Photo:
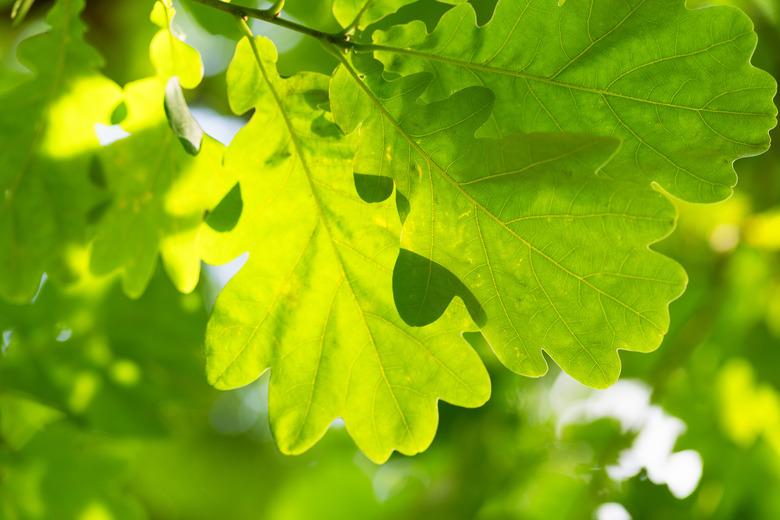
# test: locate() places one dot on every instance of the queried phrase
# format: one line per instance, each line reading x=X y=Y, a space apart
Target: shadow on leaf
x=424 y=289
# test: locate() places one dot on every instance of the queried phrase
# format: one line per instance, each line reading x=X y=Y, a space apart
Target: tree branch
x=272 y=16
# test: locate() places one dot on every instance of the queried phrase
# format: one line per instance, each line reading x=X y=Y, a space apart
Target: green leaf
x=66 y=473
x=22 y=418
x=163 y=178
x=557 y=256
x=361 y=13
x=170 y=56
x=675 y=85
x=183 y=124
x=314 y=302
x=110 y=364
x=47 y=124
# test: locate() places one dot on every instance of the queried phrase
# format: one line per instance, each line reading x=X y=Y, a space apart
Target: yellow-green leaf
x=162 y=179
x=314 y=302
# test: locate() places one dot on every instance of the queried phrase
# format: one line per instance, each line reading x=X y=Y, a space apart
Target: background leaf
x=48 y=141
x=158 y=190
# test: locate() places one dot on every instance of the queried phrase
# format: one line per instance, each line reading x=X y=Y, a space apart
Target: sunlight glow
x=628 y=402
x=612 y=511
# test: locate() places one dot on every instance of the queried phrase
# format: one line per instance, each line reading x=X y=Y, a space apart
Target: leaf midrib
x=321 y=213
x=541 y=79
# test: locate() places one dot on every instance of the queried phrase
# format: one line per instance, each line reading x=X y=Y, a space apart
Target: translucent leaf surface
x=160 y=181
x=314 y=302
x=557 y=256
x=675 y=85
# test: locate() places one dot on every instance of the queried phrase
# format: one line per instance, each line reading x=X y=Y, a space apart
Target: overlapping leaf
x=675 y=85
x=557 y=256
x=160 y=188
x=362 y=13
x=47 y=124
x=314 y=302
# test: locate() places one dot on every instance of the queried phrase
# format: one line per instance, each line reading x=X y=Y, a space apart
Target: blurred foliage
x=105 y=412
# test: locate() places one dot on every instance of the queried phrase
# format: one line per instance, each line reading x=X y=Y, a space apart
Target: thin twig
x=272 y=16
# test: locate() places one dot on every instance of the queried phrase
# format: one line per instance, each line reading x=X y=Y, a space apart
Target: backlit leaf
x=675 y=85
x=164 y=177
x=557 y=256
x=314 y=302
